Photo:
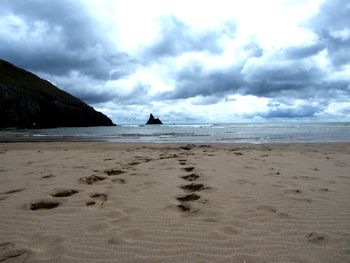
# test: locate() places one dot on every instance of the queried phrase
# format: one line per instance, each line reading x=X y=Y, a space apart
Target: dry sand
x=119 y=202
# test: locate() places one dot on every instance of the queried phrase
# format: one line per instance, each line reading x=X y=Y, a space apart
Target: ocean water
x=233 y=133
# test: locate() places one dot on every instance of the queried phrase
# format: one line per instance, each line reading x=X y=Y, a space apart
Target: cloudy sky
x=188 y=60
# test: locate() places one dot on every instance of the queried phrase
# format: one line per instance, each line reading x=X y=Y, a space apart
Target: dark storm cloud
x=176 y=38
x=282 y=79
x=301 y=52
x=332 y=25
x=268 y=79
x=60 y=36
x=289 y=73
x=62 y=42
x=302 y=111
x=91 y=97
x=194 y=80
x=95 y=92
x=136 y=97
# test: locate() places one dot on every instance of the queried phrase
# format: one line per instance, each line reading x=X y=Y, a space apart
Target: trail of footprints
x=95 y=198
x=186 y=200
x=186 y=204
x=191 y=189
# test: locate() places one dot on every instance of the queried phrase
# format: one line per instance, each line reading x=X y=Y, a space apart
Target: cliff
x=27 y=101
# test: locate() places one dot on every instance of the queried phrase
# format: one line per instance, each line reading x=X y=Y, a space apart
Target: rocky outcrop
x=27 y=101
x=153 y=120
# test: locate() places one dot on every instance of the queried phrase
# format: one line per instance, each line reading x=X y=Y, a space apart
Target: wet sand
x=131 y=202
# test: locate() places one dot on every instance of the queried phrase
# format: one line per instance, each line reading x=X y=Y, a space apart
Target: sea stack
x=153 y=120
x=27 y=101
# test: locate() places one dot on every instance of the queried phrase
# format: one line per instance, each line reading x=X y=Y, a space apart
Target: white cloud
x=203 y=61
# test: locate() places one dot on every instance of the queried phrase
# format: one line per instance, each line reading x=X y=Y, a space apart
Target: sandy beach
x=131 y=202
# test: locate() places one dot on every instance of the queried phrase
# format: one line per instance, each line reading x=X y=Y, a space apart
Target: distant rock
x=153 y=120
x=27 y=101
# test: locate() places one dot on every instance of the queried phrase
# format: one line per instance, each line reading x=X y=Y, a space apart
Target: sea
x=256 y=133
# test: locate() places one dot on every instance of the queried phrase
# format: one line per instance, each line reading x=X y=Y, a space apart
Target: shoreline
x=97 y=140
x=220 y=133
x=174 y=202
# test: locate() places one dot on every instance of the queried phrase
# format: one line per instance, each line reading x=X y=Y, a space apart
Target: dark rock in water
x=27 y=101
x=153 y=120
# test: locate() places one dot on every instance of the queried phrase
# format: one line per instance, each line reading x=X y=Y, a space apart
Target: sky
x=188 y=61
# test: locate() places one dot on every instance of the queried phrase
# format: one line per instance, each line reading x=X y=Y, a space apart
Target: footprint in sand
x=315 y=238
x=237 y=153
x=47 y=176
x=190 y=177
x=8 y=251
x=185 y=200
x=143 y=159
x=13 y=191
x=187 y=207
x=134 y=163
x=187 y=197
x=188 y=169
x=184 y=207
x=97 y=197
x=90 y=203
x=64 y=193
x=119 y=180
x=186 y=203
x=188 y=147
x=91 y=179
x=169 y=156
x=44 y=204
x=194 y=187
x=182 y=161
x=111 y=172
